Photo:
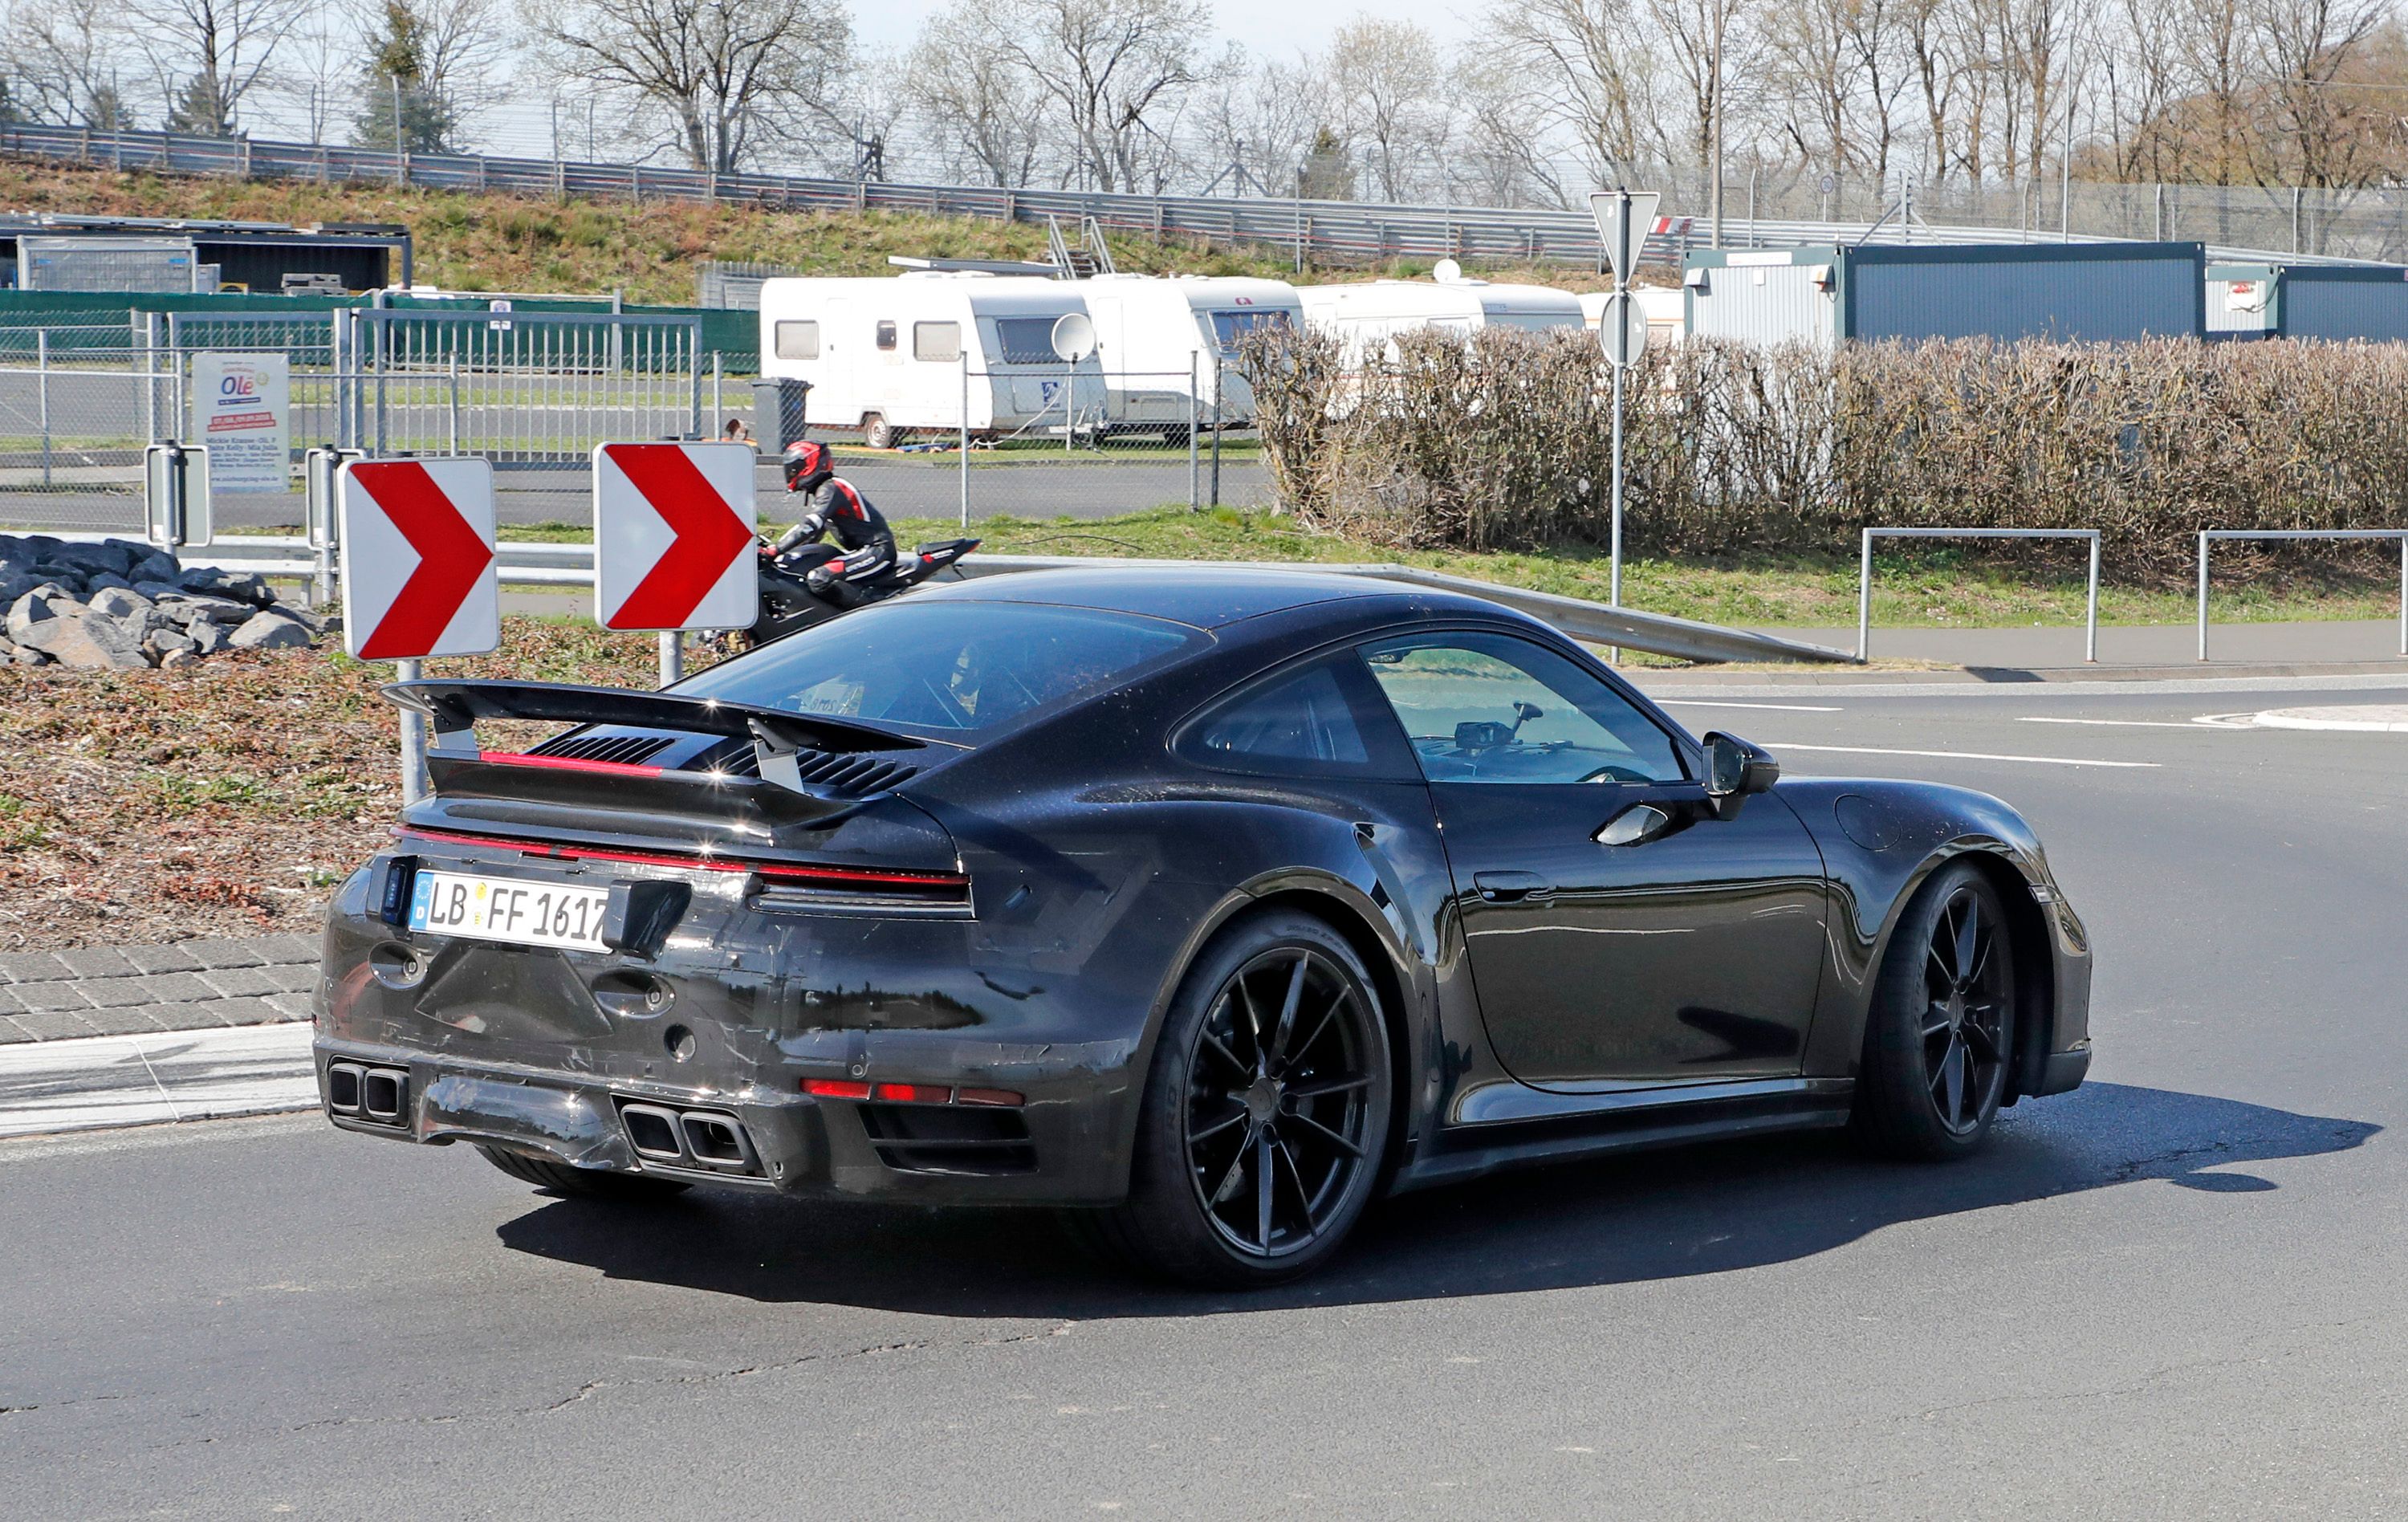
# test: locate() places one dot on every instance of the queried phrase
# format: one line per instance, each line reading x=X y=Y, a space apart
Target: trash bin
x=778 y=404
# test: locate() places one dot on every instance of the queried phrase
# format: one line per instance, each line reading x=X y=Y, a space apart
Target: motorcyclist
x=832 y=504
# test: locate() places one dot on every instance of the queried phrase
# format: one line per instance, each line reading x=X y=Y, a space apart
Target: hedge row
x=1501 y=441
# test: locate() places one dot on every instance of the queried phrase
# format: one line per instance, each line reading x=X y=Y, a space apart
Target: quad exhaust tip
x=709 y=1141
x=361 y=1092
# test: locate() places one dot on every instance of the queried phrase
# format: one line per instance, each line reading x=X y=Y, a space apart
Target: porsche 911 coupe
x=1213 y=905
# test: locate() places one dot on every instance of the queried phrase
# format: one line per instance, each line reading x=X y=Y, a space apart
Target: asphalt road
x=2177 y=1293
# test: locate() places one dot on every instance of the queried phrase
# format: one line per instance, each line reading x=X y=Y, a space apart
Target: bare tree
x=60 y=62
x=1500 y=130
x=1385 y=78
x=1113 y=70
x=2311 y=47
x=1701 y=37
x=722 y=75
x=981 y=111
x=207 y=56
x=1586 y=65
x=443 y=54
x=1258 y=122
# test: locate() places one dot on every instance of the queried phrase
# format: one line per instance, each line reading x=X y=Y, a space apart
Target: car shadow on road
x=1637 y=1217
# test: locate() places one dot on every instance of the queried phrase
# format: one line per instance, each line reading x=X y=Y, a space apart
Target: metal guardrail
x=1865 y=573
x=1658 y=634
x=2207 y=535
x=1348 y=231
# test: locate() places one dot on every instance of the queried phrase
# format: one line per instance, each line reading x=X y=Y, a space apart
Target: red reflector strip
x=569 y=763
x=778 y=871
x=916 y=1093
x=987 y=1096
x=835 y=1088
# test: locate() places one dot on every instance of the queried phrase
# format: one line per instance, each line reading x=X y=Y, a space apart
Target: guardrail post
x=2091 y=649
x=414 y=741
x=2203 y=594
x=1865 y=597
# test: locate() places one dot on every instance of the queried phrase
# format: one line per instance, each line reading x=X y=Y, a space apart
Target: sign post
x=242 y=411
x=319 y=523
x=673 y=538
x=417 y=543
x=176 y=494
x=1623 y=218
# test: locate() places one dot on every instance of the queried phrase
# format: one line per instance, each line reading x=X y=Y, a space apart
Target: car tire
x=582 y=1183
x=1273 y=1062
x=1941 y=1033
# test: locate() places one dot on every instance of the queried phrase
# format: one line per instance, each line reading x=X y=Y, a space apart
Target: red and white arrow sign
x=673 y=536
x=418 y=558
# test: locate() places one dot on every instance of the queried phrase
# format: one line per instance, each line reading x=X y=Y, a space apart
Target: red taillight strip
x=853 y=1088
x=776 y=871
x=570 y=763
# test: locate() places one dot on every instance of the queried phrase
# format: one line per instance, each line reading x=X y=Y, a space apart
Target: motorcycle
x=789 y=603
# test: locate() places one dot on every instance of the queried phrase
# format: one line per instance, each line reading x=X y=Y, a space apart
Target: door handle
x=1512 y=888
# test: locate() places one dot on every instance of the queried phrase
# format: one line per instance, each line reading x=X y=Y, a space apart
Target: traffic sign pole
x=1622 y=219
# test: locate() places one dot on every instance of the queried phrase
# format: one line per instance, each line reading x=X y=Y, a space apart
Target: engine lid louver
x=853 y=776
x=619 y=750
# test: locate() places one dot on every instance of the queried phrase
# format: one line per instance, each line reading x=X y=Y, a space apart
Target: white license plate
x=508 y=908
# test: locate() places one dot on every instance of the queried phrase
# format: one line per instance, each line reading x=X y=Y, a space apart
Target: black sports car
x=1215 y=903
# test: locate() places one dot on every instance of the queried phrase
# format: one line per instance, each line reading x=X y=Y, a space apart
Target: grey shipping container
x=2077 y=292
x=108 y=264
x=2337 y=302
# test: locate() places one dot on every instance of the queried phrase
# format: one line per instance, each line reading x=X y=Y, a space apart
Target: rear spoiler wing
x=453 y=708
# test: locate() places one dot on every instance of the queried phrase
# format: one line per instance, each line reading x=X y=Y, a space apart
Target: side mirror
x=1735 y=770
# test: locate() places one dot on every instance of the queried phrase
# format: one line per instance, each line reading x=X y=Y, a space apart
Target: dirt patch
x=229 y=798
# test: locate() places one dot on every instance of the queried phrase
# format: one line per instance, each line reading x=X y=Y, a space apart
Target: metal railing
x=1865 y=573
x=1658 y=634
x=2266 y=534
x=1346 y=232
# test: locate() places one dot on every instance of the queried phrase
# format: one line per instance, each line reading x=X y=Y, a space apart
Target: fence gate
x=520 y=388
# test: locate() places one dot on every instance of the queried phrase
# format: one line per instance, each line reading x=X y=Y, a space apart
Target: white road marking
x=2125 y=724
x=1783 y=707
x=105 y=1081
x=1778 y=746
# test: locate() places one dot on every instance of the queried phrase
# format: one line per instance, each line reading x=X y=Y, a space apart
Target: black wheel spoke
x=1979 y=1035
x=1333 y=1139
x=1335 y=1085
x=1303 y=1195
x=1213 y=1044
x=1237 y=1173
x=1218 y=1127
x=1935 y=1020
x=1286 y=1026
x=1301 y=1048
x=1263 y=1187
x=1254 y=1020
x=1952 y=1069
x=1969 y=929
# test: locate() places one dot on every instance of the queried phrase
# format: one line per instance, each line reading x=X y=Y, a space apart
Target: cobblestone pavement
x=134 y=990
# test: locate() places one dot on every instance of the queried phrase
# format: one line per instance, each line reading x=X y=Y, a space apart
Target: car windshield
x=948 y=667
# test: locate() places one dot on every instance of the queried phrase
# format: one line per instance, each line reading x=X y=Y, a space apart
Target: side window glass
x=885 y=335
x=937 y=341
x=798 y=340
x=1490 y=708
x=1308 y=721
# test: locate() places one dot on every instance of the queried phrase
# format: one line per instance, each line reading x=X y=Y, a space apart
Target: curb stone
x=211 y=985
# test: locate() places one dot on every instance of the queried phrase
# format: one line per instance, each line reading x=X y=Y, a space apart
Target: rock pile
x=121 y=604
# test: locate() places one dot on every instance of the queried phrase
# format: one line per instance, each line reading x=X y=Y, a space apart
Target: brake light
x=853 y=1088
x=796 y=873
x=914 y=1092
x=835 y=1088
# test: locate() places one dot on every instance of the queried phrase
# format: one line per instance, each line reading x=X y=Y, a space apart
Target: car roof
x=1203 y=596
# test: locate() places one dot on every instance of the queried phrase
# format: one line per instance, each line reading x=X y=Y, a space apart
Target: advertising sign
x=242 y=413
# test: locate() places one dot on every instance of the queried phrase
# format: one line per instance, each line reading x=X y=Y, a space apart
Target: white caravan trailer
x=886 y=355
x=1367 y=314
x=1666 y=320
x=1150 y=329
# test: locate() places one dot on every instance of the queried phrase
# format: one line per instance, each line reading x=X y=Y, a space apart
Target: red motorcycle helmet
x=808 y=462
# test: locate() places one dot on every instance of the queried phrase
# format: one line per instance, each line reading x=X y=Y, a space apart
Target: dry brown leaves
x=228 y=798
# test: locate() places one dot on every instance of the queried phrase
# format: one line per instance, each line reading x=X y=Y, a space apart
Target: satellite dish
x=1074 y=337
x=1447 y=273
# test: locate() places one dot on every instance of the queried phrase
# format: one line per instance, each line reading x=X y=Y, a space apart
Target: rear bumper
x=1052 y=1149
x=2063 y=1071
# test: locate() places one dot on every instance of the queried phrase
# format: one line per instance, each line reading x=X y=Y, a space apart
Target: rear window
x=1026 y=340
x=946 y=668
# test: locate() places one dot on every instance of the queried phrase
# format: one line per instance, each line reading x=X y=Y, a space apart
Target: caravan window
x=798 y=340
x=937 y=341
x=1230 y=328
x=1026 y=340
x=887 y=333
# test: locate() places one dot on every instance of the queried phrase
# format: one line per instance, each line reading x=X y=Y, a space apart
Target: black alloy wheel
x=1941 y=1029
x=582 y=1183
x=1267 y=1112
